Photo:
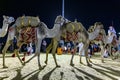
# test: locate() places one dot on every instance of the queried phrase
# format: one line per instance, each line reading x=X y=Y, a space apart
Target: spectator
x=111 y=31
x=105 y=54
x=29 y=49
x=61 y=43
x=81 y=51
x=44 y=44
x=68 y=47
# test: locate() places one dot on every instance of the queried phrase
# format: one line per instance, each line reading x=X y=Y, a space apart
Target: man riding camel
x=111 y=31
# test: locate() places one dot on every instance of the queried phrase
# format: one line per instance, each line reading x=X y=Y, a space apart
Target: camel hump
x=74 y=27
x=70 y=27
x=27 y=21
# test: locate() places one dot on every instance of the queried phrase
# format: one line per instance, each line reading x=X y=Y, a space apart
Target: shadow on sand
x=108 y=70
x=87 y=75
x=34 y=77
x=47 y=76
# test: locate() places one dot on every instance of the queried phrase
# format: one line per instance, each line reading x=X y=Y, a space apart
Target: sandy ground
x=110 y=70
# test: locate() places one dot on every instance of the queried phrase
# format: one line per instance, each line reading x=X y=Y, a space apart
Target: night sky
x=85 y=11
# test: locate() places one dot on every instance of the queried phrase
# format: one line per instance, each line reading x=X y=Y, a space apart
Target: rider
x=111 y=31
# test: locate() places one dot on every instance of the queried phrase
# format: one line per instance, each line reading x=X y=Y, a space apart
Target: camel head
x=96 y=30
x=60 y=20
x=7 y=19
x=91 y=29
x=98 y=25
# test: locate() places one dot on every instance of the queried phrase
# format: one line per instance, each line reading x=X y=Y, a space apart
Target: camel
x=97 y=27
x=74 y=31
x=21 y=25
x=53 y=33
x=30 y=29
x=104 y=40
x=6 y=22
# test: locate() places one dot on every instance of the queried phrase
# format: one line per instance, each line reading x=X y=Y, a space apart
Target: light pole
x=63 y=8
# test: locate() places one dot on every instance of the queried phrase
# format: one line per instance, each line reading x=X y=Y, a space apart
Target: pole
x=63 y=8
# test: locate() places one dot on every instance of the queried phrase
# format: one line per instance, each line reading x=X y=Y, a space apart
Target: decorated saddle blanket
x=28 y=35
x=71 y=36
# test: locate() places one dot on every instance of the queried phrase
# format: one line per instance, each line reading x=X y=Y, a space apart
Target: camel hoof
x=113 y=58
x=40 y=68
x=102 y=61
x=58 y=66
x=89 y=65
x=81 y=62
x=71 y=64
x=26 y=62
x=45 y=62
x=23 y=64
x=5 y=67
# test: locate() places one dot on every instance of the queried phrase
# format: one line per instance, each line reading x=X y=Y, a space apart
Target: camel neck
x=4 y=29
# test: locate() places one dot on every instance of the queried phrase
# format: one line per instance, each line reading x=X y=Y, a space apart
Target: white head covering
x=111 y=29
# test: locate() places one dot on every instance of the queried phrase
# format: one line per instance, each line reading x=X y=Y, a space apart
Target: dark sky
x=86 y=11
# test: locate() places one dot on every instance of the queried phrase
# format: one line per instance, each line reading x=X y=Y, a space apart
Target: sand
x=110 y=70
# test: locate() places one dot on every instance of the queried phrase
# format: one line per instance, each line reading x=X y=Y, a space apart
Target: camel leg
x=55 y=44
x=38 y=47
x=110 y=47
x=102 y=57
x=89 y=58
x=19 y=44
x=17 y=53
x=4 y=51
x=31 y=58
x=86 y=54
x=81 y=60
x=48 y=50
x=71 y=61
x=17 y=48
x=80 y=54
x=37 y=51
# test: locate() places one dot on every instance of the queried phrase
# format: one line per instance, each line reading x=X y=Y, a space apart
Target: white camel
x=6 y=22
x=53 y=33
